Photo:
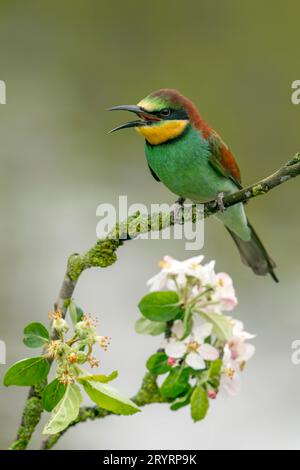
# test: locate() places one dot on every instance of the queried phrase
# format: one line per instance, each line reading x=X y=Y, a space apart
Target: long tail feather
x=254 y=254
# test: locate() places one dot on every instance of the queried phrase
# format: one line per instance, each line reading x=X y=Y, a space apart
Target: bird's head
x=164 y=115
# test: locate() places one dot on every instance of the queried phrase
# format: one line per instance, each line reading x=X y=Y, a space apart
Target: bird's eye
x=165 y=112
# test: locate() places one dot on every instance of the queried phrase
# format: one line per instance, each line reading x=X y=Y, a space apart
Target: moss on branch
x=102 y=255
x=147 y=394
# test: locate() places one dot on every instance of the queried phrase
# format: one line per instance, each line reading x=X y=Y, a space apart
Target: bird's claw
x=220 y=202
x=177 y=211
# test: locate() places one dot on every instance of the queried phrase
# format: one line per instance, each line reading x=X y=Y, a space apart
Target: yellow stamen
x=193 y=346
x=163 y=264
x=230 y=373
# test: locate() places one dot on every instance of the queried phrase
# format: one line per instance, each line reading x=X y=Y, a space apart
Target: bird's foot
x=220 y=202
x=177 y=211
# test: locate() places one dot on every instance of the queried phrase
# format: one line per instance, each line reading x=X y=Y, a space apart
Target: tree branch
x=103 y=254
x=147 y=394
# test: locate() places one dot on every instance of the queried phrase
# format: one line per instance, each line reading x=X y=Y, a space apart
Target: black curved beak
x=141 y=112
x=128 y=107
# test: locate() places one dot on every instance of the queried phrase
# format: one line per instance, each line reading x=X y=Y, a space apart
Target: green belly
x=183 y=166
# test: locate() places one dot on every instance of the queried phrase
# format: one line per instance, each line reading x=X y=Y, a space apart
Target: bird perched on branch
x=191 y=159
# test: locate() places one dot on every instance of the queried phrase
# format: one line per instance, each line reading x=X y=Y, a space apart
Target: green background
x=64 y=64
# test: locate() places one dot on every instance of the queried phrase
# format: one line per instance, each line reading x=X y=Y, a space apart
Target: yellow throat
x=165 y=130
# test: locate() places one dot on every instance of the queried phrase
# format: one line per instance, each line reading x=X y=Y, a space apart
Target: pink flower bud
x=171 y=361
x=212 y=394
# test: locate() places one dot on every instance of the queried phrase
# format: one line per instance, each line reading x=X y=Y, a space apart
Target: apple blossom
x=192 y=349
x=230 y=378
x=241 y=351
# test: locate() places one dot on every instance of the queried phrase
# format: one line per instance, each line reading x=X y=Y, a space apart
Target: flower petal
x=245 y=352
x=176 y=349
x=202 y=332
x=177 y=328
x=231 y=386
x=158 y=282
x=196 y=260
x=208 y=352
x=195 y=361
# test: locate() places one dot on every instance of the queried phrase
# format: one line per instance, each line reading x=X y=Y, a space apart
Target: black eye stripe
x=165 y=112
x=173 y=114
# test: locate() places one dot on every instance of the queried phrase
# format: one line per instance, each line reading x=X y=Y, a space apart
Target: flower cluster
x=204 y=347
x=76 y=351
x=196 y=283
x=62 y=397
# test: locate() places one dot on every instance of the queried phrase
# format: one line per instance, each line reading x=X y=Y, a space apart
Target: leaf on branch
x=76 y=313
x=215 y=369
x=161 y=306
x=176 y=383
x=109 y=398
x=222 y=326
x=158 y=364
x=143 y=326
x=52 y=394
x=100 y=377
x=27 y=372
x=66 y=411
x=199 y=403
x=181 y=401
x=36 y=335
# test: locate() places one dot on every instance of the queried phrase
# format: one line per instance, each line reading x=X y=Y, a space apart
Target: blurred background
x=64 y=64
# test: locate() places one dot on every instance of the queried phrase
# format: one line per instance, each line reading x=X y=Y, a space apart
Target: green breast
x=183 y=166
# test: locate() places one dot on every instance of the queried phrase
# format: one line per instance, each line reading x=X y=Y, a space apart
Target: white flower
x=173 y=270
x=230 y=378
x=207 y=274
x=225 y=293
x=236 y=353
x=193 y=348
x=240 y=350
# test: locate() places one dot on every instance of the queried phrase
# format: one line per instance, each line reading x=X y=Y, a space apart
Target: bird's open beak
x=146 y=117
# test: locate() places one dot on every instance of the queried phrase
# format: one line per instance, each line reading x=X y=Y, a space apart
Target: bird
x=191 y=159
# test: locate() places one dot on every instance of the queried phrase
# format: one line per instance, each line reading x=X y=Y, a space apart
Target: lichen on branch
x=104 y=254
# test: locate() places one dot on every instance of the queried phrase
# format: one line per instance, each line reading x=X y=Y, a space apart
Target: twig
x=103 y=254
x=148 y=393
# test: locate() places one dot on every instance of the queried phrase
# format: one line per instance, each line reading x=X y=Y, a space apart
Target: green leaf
x=181 y=401
x=161 y=306
x=101 y=377
x=199 y=403
x=215 y=369
x=176 y=383
x=222 y=326
x=158 y=364
x=36 y=335
x=109 y=398
x=66 y=411
x=52 y=395
x=76 y=313
x=27 y=372
x=143 y=326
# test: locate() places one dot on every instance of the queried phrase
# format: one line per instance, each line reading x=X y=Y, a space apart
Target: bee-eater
x=192 y=160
